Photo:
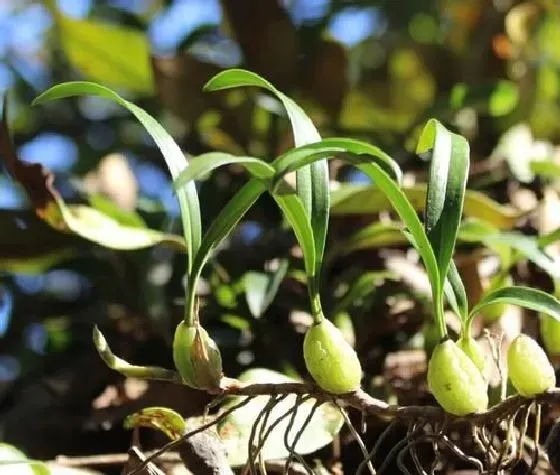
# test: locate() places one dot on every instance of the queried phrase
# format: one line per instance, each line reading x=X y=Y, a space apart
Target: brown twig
x=107 y=459
x=362 y=401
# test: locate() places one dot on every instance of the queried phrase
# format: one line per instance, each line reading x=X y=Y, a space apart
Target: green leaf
x=455 y=291
x=527 y=297
x=362 y=153
x=110 y=208
x=226 y=220
x=549 y=238
x=546 y=168
x=159 y=418
x=498 y=98
x=364 y=285
x=448 y=175
x=205 y=163
x=407 y=213
x=174 y=158
x=312 y=180
x=124 y=367
x=261 y=288
x=106 y=231
x=373 y=236
x=359 y=199
x=110 y=54
x=295 y=214
x=529 y=247
x=14 y=462
x=235 y=429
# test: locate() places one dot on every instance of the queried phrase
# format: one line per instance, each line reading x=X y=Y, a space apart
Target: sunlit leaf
x=546 y=168
x=205 y=163
x=124 y=367
x=117 y=230
x=498 y=98
x=96 y=226
x=312 y=180
x=159 y=418
x=360 y=199
x=14 y=462
x=111 y=54
x=527 y=297
x=108 y=207
x=235 y=429
x=415 y=230
x=356 y=152
x=449 y=166
x=175 y=160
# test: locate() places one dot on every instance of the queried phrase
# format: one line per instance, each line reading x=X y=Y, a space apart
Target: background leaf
x=111 y=54
x=360 y=199
x=14 y=462
x=546 y=168
x=527 y=297
x=261 y=288
x=527 y=246
x=159 y=418
x=236 y=428
x=174 y=158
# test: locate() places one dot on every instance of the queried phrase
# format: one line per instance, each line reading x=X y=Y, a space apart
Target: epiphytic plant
x=455 y=371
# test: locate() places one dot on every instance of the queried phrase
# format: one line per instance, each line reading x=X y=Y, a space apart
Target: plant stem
x=315 y=299
x=190 y=299
x=439 y=314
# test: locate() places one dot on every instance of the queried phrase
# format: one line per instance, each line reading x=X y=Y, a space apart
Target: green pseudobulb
x=455 y=381
x=331 y=361
x=529 y=369
x=474 y=351
x=550 y=333
x=197 y=357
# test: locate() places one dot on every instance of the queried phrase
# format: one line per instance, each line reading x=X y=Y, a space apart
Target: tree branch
x=367 y=404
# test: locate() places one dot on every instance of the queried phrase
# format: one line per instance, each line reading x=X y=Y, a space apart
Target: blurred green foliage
x=368 y=70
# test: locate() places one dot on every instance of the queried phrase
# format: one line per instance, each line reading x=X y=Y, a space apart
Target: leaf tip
x=99 y=340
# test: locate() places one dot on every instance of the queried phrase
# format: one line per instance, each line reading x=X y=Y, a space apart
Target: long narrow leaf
x=203 y=164
x=415 y=230
x=527 y=297
x=312 y=180
x=360 y=153
x=292 y=208
x=455 y=292
x=124 y=367
x=446 y=189
x=226 y=220
x=174 y=158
